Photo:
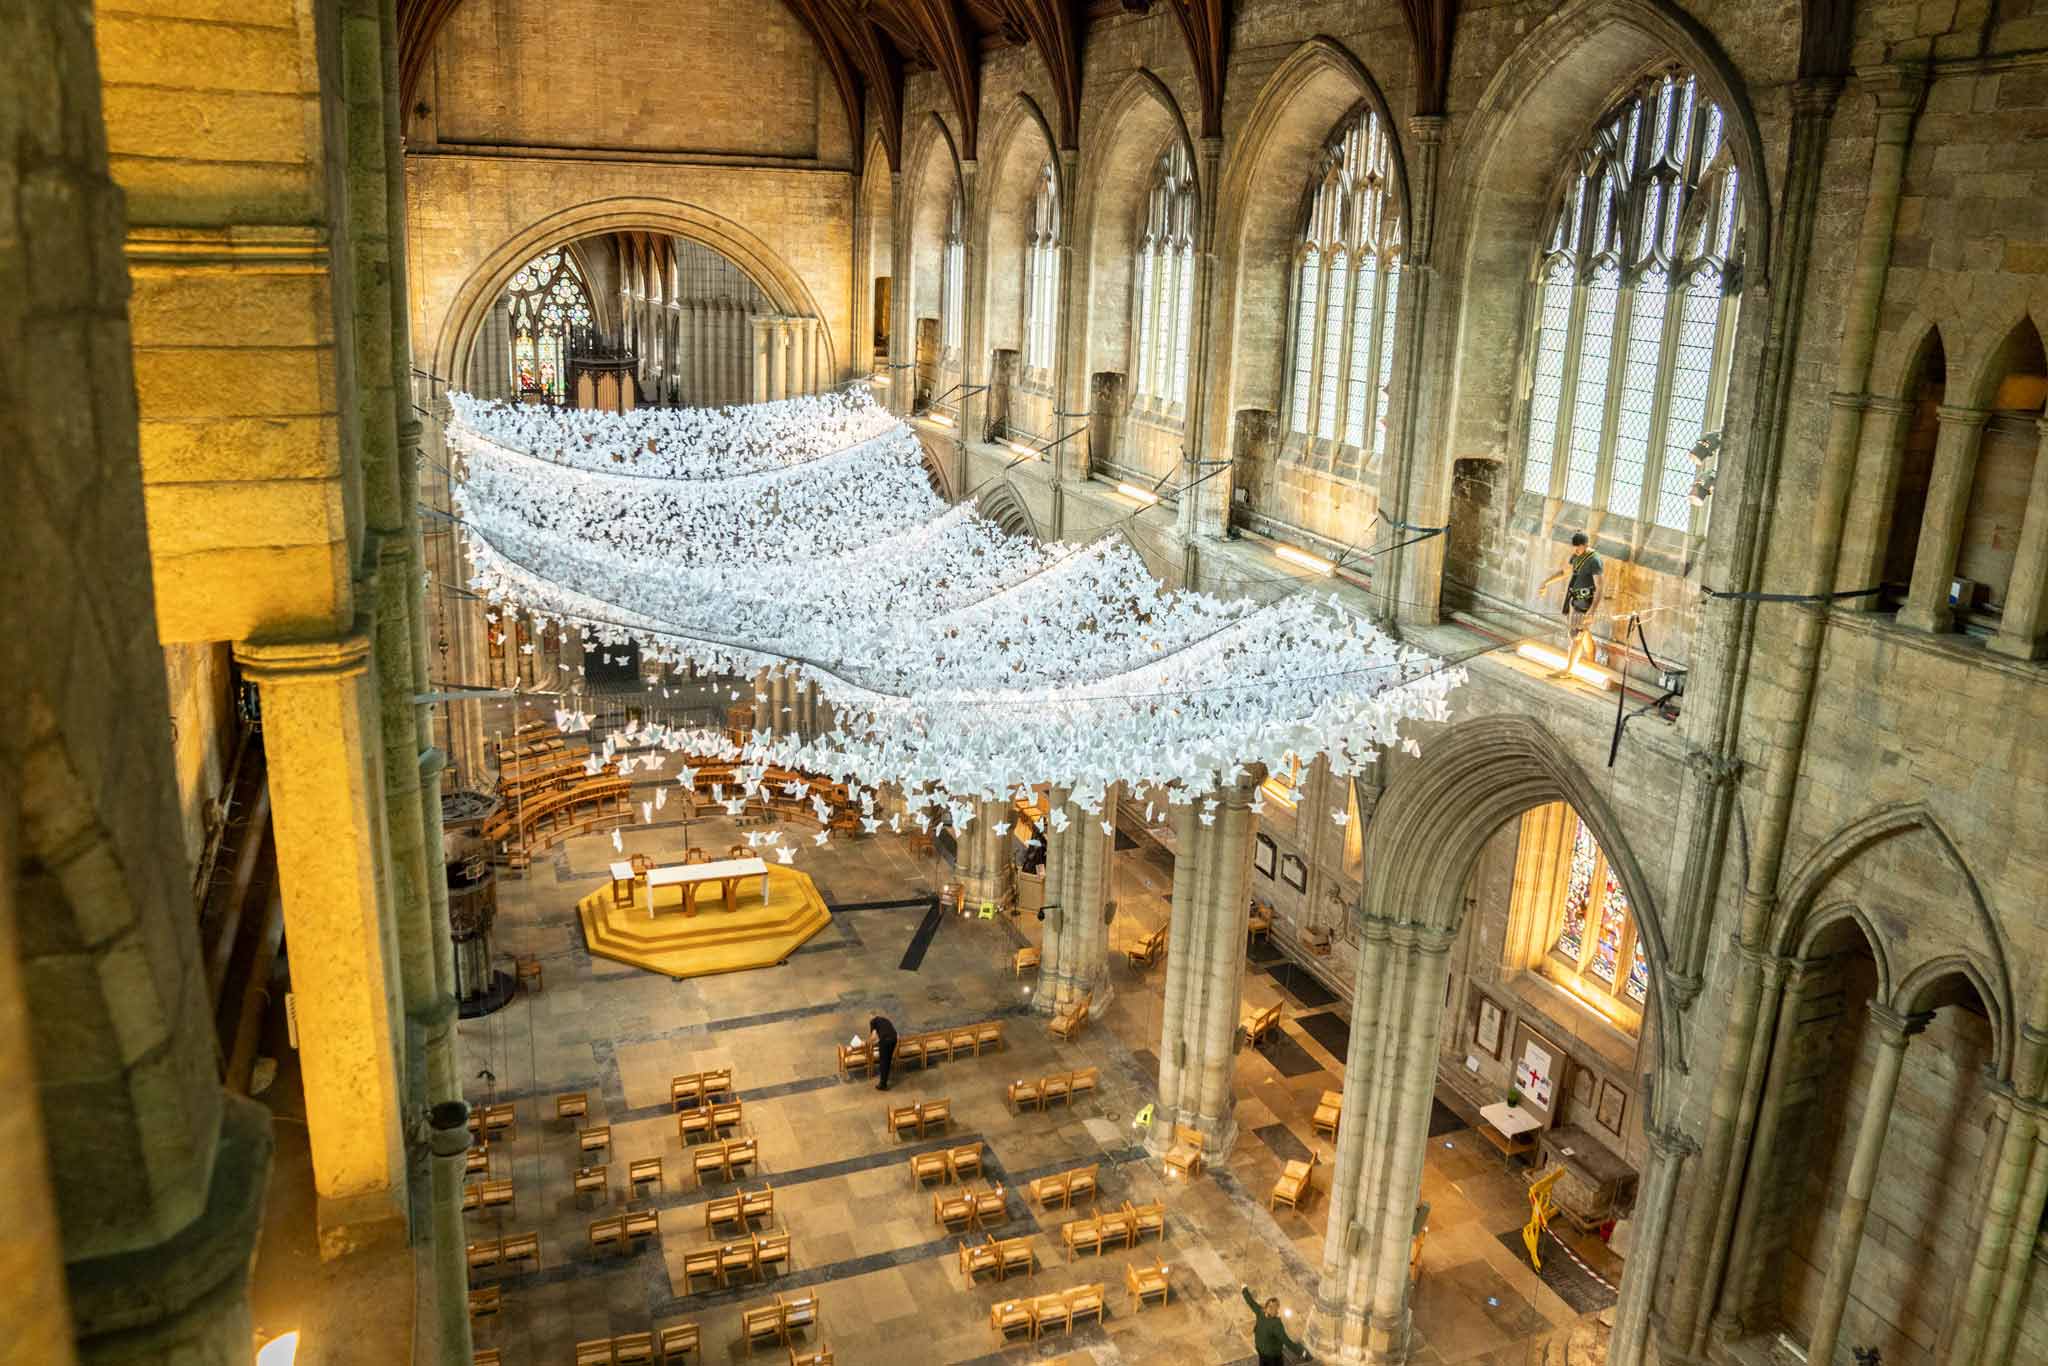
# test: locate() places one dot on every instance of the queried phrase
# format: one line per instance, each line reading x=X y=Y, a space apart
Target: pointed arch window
x=1165 y=279
x=1347 y=290
x=1633 y=304
x=1042 y=276
x=548 y=304
x=953 y=281
x=1570 y=921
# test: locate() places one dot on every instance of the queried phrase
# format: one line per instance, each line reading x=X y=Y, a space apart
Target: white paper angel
x=821 y=837
x=869 y=824
x=1109 y=827
x=785 y=855
x=647 y=813
x=618 y=844
x=660 y=798
x=1000 y=828
x=1340 y=819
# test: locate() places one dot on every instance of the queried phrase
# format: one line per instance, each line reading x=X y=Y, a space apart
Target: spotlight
x=1305 y=560
x=280 y=1351
x=1145 y=496
x=1553 y=660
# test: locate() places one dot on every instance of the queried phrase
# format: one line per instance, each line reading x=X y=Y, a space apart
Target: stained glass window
x=1613 y=926
x=1578 y=890
x=1165 y=295
x=1042 y=273
x=1347 y=288
x=1594 y=928
x=548 y=304
x=1635 y=305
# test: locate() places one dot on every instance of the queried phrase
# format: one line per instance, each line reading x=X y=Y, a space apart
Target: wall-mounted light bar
x=1021 y=448
x=1304 y=559
x=941 y=418
x=1553 y=660
x=1145 y=496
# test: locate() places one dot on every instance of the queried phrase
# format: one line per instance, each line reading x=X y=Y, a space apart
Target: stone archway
x=785 y=288
x=1427 y=834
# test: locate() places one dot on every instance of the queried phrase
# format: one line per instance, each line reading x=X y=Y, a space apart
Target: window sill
x=1615 y=536
x=1570 y=1014
x=1966 y=647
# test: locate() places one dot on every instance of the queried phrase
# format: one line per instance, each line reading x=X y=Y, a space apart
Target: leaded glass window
x=1042 y=274
x=953 y=281
x=1578 y=889
x=1593 y=932
x=1633 y=307
x=1165 y=277
x=1347 y=283
x=547 y=304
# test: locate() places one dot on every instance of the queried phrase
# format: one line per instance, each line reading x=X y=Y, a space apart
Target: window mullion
x=1568 y=380
x=1660 y=404
x=1617 y=369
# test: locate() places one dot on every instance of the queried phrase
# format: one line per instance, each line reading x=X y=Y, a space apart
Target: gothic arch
x=1474 y=777
x=777 y=279
x=1897 y=364
x=1260 y=202
x=1992 y=363
x=930 y=184
x=1988 y=960
x=1008 y=179
x=1002 y=504
x=1537 y=109
x=1847 y=913
x=934 y=468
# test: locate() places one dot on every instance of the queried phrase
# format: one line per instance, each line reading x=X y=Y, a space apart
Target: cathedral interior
x=393 y=963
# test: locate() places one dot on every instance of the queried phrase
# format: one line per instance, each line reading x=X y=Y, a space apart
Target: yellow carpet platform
x=710 y=939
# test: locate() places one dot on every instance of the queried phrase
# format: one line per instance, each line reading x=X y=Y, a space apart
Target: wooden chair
x=696 y=1122
x=727 y=1114
x=503 y=1118
x=1081 y=1183
x=762 y=1323
x=717 y=1082
x=978 y=1257
x=477 y=1161
x=700 y=1261
x=1185 y=1156
x=1058 y=1086
x=1146 y=1219
x=964 y=1161
x=1258 y=1023
x=950 y=1208
x=1329 y=1112
x=486 y=1253
x=677 y=1339
x=1082 y=1080
x=686 y=1092
x=855 y=1057
x=740 y=1152
x=1070 y=1019
x=608 y=1233
x=572 y=1105
x=485 y=1301
x=1260 y=923
x=934 y=1114
x=594 y=1139
x=1015 y=1253
x=799 y=1314
x=1023 y=1093
x=1049 y=1309
x=633 y=1349
x=988 y=1034
x=724 y=1210
x=521 y=1247
x=641 y=1170
x=710 y=1160
x=821 y=1355
x=1148 y=949
x=529 y=974
x=1084 y=1300
x=911 y=1048
x=901 y=1117
x=595 y=1179
x=1011 y=1318
x=488 y=1356
x=1052 y=1190
x=497 y=1193
x=960 y=1041
x=1142 y=1282
x=771 y=1249
x=1082 y=1233
x=1295 y=1184
x=991 y=1206
x=641 y=1223
x=925 y=1167
x=595 y=1352
x=758 y=1204
x=736 y=1257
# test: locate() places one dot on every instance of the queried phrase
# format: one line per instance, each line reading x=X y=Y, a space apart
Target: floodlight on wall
x=1145 y=496
x=1554 y=660
x=281 y=1350
x=1305 y=560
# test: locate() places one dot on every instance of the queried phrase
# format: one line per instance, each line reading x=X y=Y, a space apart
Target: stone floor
x=888 y=1280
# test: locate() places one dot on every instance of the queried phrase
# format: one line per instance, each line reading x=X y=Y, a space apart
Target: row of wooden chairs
x=741 y=1207
x=970 y=1209
x=1033 y=1317
x=724 y=1160
x=515 y=1247
x=706 y=1121
x=1000 y=1255
x=780 y=1318
x=1053 y=1086
x=692 y=1089
x=481 y=1195
x=640 y=1171
x=925 y=1048
x=920 y=1116
x=1125 y=1225
x=486 y=1121
x=945 y=1164
x=623 y=1231
x=1070 y=1019
x=633 y=1349
x=1064 y=1188
x=1257 y=1023
x=720 y=1261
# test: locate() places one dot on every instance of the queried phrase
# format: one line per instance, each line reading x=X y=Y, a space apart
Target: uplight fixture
x=1023 y=449
x=1304 y=559
x=942 y=419
x=1553 y=660
x=1145 y=496
x=281 y=1350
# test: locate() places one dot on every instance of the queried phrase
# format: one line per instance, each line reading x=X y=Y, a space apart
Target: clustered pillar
x=982 y=859
x=1074 y=956
x=1205 y=960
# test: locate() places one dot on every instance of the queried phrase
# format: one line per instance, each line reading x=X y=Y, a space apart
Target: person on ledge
x=882 y=1039
x=1581 y=600
x=1269 y=1333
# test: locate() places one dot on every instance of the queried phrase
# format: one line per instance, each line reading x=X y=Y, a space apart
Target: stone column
x=1893 y=1031
x=984 y=859
x=1410 y=587
x=973 y=319
x=1998 y=1342
x=778 y=358
x=1941 y=527
x=319 y=736
x=1629 y=1344
x=2023 y=629
x=448 y=1139
x=1742 y=1289
x=1075 y=961
x=757 y=359
x=1334 y=1319
x=1185 y=941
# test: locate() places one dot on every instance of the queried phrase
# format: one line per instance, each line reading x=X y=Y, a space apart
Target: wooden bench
x=930 y=1046
x=1147 y=949
x=1063 y=1188
x=1185 y=1156
x=1258 y=1023
x=920 y=1116
x=1295 y=1184
x=1329 y=1112
x=1141 y=1282
x=1040 y=1314
x=999 y=1255
x=572 y=1105
x=1061 y=1086
x=692 y=1089
x=1070 y=1019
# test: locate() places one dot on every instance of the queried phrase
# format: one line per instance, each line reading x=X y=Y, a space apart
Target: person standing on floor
x=1269 y=1332
x=1583 y=572
x=882 y=1039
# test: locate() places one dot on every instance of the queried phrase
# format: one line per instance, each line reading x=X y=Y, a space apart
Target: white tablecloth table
x=1515 y=1127
x=688 y=878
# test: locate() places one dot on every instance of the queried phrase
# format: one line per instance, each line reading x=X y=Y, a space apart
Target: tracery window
x=1347 y=289
x=1165 y=276
x=1634 y=303
x=547 y=302
x=952 y=283
x=1593 y=933
x=1042 y=275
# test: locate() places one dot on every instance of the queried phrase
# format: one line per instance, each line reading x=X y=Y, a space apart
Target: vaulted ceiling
x=870 y=45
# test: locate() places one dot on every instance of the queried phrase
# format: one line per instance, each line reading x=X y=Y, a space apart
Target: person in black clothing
x=882 y=1038
x=1269 y=1332
x=1581 y=599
